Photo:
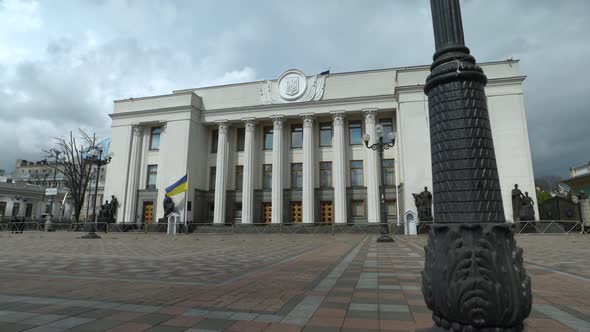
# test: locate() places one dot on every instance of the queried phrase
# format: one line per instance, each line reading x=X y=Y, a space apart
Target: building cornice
x=165 y=110
x=303 y=105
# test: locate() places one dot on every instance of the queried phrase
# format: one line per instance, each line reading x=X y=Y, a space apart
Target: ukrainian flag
x=178 y=186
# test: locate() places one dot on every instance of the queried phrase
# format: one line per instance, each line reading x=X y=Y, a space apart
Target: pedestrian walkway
x=274 y=282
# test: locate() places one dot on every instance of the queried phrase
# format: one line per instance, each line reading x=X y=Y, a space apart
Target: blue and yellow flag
x=178 y=186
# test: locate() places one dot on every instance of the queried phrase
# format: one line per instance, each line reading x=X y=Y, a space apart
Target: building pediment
x=292 y=86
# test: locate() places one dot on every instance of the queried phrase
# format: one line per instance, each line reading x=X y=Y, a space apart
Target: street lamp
x=95 y=156
x=379 y=146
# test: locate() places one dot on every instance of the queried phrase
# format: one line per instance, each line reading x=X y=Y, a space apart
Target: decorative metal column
x=473 y=276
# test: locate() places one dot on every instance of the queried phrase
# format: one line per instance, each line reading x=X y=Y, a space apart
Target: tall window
x=214 y=138
x=296 y=136
x=388 y=169
x=267 y=176
x=326 y=174
x=155 y=138
x=152 y=176
x=239 y=177
x=3 y=208
x=238 y=211
x=268 y=138
x=356 y=173
x=354 y=132
x=358 y=208
x=296 y=175
x=212 y=174
x=241 y=139
x=390 y=208
x=15 y=209
x=326 y=134
x=387 y=128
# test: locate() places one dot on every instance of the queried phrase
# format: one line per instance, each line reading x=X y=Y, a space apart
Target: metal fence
x=535 y=227
x=523 y=227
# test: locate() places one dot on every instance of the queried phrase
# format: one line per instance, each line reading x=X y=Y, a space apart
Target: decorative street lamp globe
x=379 y=146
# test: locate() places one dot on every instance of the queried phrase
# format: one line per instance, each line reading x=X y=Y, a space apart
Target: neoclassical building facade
x=290 y=150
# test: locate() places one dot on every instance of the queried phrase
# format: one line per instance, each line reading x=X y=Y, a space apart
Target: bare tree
x=71 y=159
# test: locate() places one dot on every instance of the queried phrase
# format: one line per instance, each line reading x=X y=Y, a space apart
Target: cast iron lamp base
x=91 y=235
x=385 y=238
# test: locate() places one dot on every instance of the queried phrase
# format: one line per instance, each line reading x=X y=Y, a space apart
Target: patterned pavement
x=144 y=282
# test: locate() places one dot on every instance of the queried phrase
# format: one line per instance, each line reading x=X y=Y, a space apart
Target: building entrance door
x=296 y=215
x=148 y=212
x=266 y=212
x=29 y=210
x=326 y=212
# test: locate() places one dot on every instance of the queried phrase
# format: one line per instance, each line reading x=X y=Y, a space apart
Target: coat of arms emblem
x=292 y=85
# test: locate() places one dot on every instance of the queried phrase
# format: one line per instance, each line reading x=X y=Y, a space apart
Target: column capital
x=137 y=129
x=223 y=125
x=308 y=119
x=338 y=117
x=249 y=123
x=370 y=112
x=277 y=121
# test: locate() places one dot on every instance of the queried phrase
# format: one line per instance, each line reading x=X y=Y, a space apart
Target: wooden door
x=296 y=215
x=326 y=212
x=266 y=212
x=148 y=212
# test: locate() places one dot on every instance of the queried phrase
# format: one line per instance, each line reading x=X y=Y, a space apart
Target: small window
x=356 y=173
x=296 y=175
x=355 y=132
x=214 y=138
x=326 y=174
x=268 y=138
x=239 y=177
x=326 y=134
x=388 y=175
x=358 y=208
x=387 y=128
x=212 y=174
x=241 y=139
x=155 y=138
x=296 y=136
x=267 y=176
x=152 y=176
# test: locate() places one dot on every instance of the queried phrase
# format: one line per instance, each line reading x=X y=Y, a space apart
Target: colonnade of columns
x=339 y=170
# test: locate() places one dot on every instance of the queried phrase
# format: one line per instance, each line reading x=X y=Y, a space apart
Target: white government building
x=290 y=150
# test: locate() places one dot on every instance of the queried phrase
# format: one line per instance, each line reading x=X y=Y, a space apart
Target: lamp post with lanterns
x=379 y=146
x=95 y=156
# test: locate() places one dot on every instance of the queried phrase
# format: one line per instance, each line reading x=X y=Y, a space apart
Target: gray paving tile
x=269 y=318
x=17 y=317
x=364 y=306
x=394 y=307
x=196 y=312
x=43 y=319
x=215 y=324
x=220 y=314
x=46 y=329
x=139 y=308
x=70 y=322
x=96 y=326
x=244 y=316
x=563 y=317
x=153 y=318
x=14 y=327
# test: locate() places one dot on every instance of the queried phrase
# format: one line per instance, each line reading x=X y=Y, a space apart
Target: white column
x=220 y=174
x=247 y=188
x=339 y=169
x=308 y=170
x=132 y=176
x=277 y=170
x=372 y=169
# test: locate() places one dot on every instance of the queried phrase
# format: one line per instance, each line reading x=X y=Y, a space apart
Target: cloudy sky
x=62 y=63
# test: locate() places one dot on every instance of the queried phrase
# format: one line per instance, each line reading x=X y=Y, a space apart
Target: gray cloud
x=64 y=63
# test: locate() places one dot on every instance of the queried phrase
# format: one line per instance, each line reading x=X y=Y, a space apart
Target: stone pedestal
x=173 y=222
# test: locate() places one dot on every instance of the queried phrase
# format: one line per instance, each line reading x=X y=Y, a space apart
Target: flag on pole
x=178 y=186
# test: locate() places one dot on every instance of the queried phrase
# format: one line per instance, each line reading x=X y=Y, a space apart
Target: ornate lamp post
x=379 y=146
x=95 y=156
x=473 y=276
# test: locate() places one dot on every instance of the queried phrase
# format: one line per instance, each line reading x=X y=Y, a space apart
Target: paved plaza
x=279 y=282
